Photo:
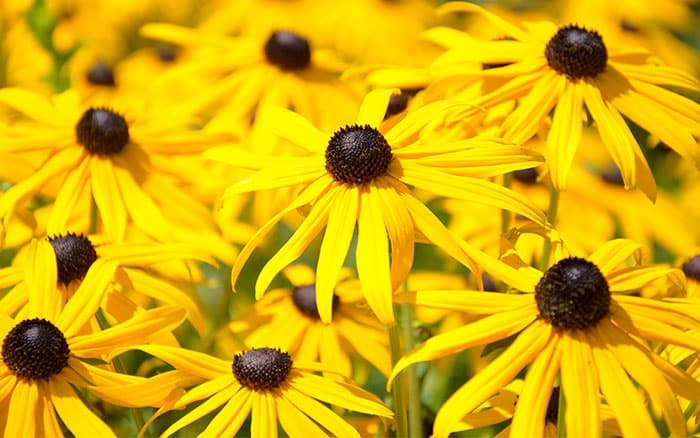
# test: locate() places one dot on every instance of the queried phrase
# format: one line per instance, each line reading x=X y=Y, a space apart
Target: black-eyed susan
x=268 y=386
x=290 y=319
x=570 y=68
x=47 y=354
x=361 y=174
x=581 y=325
x=250 y=73
x=159 y=272
x=100 y=155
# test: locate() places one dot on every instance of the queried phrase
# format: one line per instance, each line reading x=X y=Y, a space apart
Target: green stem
x=415 y=423
x=119 y=367
x=551 y=218
x=505 y=214
x=398 y=389
x=561 y=423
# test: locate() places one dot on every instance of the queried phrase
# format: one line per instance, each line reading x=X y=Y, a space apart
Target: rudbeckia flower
x=266 y=385
x=159 y=272
x=250 y=73
x=581 y=324
x=360 y=174
x=96 y=153
x=46 y=356
x=570 y=68
x=290 y=319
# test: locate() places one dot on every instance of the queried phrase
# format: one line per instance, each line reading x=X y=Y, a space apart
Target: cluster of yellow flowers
x=184 y=181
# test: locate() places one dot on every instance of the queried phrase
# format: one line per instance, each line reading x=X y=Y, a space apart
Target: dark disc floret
x=288 y=51
x=35 y=349
x=577 y=52
x=691 y=268
x=102 y=131
x=527 y=176
x=101 y=74
x=573 y=294
x=262 y=369
x=304 y=298
x=613 y=176
x=74 y=256
x=357 y=154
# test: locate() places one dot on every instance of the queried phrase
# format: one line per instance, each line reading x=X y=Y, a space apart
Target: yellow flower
x=159 y=272
x=360 y=174
x=45 y=355
x=290 y=320
x=251 y=73
x=580 y=325
x=98 y=154
x=268 y=384
x=569 y=68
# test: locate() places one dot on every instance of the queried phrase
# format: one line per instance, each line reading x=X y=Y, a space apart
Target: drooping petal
x=295 y=128
x=564 y=137
x=620 y=393
x=526 y=347
x=41 y=279
x=69 y=195
x=84 y=303
x=579 y=382
x=295 y=423
x=372 y=256
x=193 y=362
x=22 y=411
x=264 y=415
x=80 y=420
x=530 y=413
x=236 y=399
x=334 y=247
x=636 y=361
x=295 y=245
x=321 y=414
x=399 y=226
x=108 y=197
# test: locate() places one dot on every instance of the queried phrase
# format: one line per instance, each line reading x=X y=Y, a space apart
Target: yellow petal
x=372 y=256
x=295 y=423
x=264 y=415
x=86 y=300
x=399 y=226
x=41 y=278
x=564 y=137
x=526 y=347
x=295 y=128
x=22 y=412
x=70 y=193
x=234 y=415
x=108 y=197
x=579 y=381
x=530 y=413
x=493 y=328
x=300 y=240
x=635 y=359
x=374 y=106
x=620 y=393
x=319 y=413
x=334 y=247
x=80 y=420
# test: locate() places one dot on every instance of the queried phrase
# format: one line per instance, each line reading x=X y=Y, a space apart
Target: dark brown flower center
x=102 y=131
x=261 y=369
x=691 y=268
x=74 y=256
x=573 y=294
x=613 y=176
x=526 y=176
x=577 y=52
x=304 y=298
x=288 y=51
x=357 y=154
x=35 y=349
x=101 y=74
